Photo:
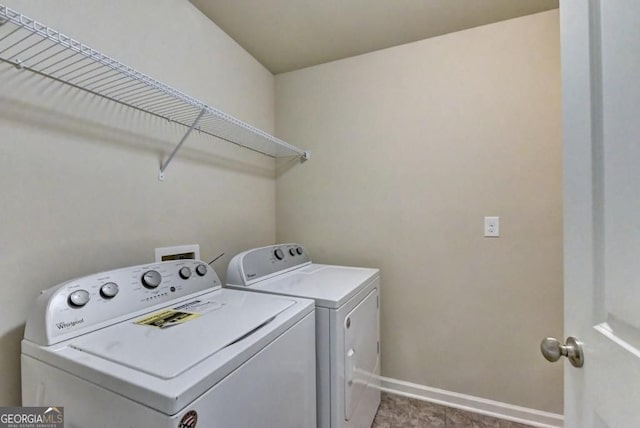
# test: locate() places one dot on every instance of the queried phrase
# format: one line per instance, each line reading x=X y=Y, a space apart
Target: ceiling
x=286 y=35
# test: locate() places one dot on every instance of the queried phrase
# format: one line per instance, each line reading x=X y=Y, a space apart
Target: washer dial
x=201 y=269
x=109 y=290
x=185 y=272
x=279 y=254
x=151 y=279
x=79 y=298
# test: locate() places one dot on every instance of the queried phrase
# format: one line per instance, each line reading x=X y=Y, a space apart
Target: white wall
x=80 y=191
x=411 y=146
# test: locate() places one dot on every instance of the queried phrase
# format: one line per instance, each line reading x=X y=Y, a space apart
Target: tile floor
x=396 y=411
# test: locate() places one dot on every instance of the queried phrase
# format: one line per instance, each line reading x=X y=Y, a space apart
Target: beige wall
x=411 y=147
x=80 y=191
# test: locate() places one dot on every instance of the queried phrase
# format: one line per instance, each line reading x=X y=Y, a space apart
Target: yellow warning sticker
x=166 y=318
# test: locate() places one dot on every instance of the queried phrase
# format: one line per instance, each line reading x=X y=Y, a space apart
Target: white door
x=601 y=121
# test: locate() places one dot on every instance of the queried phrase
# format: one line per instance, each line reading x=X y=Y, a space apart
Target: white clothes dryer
x=163 y=345
x=347 y=325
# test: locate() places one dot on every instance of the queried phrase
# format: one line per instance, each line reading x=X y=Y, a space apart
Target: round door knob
x=552 y=349
x=151 y=279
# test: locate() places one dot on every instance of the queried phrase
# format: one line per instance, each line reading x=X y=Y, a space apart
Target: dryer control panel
x=95 y=301
x=261 y=263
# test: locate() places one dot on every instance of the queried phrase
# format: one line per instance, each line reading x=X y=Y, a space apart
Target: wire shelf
x=30 y=45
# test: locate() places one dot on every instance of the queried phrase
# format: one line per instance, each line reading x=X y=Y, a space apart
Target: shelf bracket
x=184 y=138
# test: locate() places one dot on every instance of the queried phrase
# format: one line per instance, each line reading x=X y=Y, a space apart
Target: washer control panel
x=260 y=263
x=95 y=301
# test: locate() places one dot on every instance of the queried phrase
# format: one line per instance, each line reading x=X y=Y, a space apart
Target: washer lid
x=330 y=286
x=170 y=341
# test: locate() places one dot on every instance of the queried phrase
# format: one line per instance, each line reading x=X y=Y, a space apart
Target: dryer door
x=361 y=351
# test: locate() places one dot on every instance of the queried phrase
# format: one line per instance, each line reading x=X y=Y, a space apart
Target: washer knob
x=79 y=298
x=279 y=254
x=185 y=272
x=201 y=269
x=109 y=290
x=292 y=251
x=299 y=250
x=151 y=279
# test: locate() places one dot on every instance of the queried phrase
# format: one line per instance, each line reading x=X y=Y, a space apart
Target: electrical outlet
x=492 y=227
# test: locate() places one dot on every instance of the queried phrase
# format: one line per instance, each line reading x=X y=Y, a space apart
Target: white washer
x=165 y=346
x=347 y=325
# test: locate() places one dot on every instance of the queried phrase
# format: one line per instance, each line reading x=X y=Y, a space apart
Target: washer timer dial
x=151 y=279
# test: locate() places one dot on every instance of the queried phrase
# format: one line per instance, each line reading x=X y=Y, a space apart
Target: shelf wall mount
x=30 y=45
x=173 y=153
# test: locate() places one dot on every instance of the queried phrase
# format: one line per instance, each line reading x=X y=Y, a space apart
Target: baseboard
x=524 y=415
